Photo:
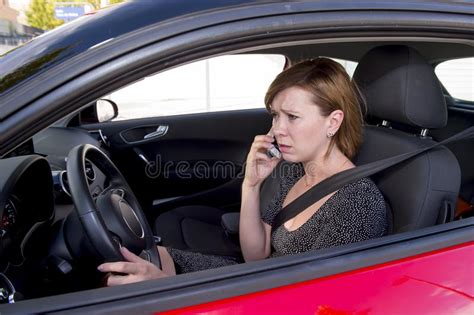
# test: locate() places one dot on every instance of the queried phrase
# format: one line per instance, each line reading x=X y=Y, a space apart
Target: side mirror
x=106 y=110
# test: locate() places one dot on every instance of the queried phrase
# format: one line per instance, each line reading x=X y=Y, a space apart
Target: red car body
x=405 y=286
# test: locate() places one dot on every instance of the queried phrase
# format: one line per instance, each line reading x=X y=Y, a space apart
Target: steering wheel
x=110 y=218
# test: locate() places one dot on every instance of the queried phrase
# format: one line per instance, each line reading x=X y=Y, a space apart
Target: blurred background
x=21 y=20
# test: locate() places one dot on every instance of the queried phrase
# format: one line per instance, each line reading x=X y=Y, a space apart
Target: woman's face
x=298 y=126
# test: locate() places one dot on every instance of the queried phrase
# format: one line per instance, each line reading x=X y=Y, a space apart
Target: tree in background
x=40 y=14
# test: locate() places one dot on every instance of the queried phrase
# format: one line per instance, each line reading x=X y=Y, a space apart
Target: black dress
x=354 y=213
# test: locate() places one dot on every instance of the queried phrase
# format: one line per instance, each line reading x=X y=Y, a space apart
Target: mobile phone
x=274 y=151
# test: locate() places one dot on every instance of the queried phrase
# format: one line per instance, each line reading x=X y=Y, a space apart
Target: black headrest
x=400 y=86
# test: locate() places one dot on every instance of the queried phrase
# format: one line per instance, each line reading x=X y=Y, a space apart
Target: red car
x=157 y=102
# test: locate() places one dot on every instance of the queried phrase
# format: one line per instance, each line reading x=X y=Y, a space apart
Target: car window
x=350 y=66
x=457 y=77
x=217 y=84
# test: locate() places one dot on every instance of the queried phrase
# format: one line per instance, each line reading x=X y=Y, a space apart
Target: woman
x=317 y=123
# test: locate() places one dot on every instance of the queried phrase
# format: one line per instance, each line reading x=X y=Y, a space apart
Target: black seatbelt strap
x=343 y=178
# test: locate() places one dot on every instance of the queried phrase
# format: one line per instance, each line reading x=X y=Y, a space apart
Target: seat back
x=402 y=93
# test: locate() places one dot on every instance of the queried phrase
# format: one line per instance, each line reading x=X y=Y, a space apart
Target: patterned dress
x=355 y=213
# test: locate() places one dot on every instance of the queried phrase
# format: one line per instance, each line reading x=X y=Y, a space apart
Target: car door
x=399 y=274
x=195 y=160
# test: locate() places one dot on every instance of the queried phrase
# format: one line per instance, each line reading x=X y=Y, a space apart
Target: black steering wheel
x=112 y=217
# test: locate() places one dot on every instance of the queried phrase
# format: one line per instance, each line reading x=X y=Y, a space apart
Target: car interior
x=419 y=196
x=45 y=240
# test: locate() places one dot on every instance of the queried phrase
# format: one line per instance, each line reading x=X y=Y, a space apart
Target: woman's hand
x=259 y=165
x=134 y=269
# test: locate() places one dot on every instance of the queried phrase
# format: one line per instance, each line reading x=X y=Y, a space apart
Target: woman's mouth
x=284 y=148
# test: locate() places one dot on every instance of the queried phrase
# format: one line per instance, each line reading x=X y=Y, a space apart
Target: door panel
x=198 y=160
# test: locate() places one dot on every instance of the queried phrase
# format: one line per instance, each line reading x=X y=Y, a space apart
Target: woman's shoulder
x=362 y=205
x=362 y=195
x=363 y=185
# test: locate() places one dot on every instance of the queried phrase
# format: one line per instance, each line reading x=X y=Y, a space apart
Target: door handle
x=159 y=132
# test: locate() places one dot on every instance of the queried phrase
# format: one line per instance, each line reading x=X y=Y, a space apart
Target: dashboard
x=9 y=217
x=35 y=207
x=26 y=204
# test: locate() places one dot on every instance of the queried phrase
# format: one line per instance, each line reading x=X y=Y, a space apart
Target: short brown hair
x=332 y=90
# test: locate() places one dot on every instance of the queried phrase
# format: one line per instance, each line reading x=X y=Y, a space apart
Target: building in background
x=21 y=6
x=15 y=29
x=6 y=12
x=12 y=32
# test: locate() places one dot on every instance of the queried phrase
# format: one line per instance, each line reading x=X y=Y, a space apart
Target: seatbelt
x=343 y=178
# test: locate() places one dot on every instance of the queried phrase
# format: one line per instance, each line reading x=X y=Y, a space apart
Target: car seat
x=403 y=93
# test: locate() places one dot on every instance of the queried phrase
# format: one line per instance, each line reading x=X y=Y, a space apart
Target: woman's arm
x=254 y=234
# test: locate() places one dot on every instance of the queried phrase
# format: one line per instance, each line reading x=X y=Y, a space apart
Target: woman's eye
x=292 y=117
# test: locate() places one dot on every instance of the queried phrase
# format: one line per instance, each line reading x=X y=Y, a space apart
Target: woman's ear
x=335 y=120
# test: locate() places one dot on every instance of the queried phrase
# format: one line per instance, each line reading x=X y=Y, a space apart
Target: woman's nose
x=278 y=127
